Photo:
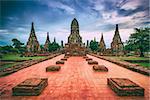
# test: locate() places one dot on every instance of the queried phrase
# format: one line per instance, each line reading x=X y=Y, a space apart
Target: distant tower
x=47 y=42
x=54 y=40
x=117 y=45
x=102 y=44
x=87 y=44
x=33 y=44
x=75 y=37
x=94 y=39
x=62 y=44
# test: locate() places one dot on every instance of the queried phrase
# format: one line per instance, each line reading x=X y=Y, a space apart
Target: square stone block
x=53 y=68
x=30 y=87
x=92 y=62
x=125 y=87
x=85 y=57
x=60 y=62
x=88 y=59
x=100 y=68
x=64 y=59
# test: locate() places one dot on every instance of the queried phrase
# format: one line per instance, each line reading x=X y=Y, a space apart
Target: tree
x=53 y=47
x=94 y=45
x=16 y=43
x=139 y=40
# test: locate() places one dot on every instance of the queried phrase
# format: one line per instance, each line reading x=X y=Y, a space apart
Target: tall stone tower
x=102 y=44
x=75 y=37
x=33 y=44
x=47 y=42
x=117 y=45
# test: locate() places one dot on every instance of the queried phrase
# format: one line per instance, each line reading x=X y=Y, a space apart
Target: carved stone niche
x=30 y=87
x=125 y=87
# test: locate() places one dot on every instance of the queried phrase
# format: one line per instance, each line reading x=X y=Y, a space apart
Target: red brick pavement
x=75 y=81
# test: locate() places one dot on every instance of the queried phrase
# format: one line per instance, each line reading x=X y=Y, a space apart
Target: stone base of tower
x=74 y=50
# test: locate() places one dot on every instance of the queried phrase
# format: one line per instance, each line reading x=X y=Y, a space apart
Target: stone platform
x=64 y=59
x=60 y=62
x=53 y=68
x=88 y=59
x=30 y=87
x=85 y=57
x=100 y=68
x=125 y=87
x=92 y=62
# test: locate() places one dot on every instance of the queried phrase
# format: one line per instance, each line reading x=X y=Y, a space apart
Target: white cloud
x=62 y=6
x=131 y=4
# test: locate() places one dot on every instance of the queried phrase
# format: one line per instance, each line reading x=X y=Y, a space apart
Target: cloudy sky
x=54 y=16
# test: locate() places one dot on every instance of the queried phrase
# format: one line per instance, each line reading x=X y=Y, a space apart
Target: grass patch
x=7 y=65
x=17 y=57
x=128 y=58
x=144 y=64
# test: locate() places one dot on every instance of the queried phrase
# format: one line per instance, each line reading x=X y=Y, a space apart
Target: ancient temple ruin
x=102 y=44
x=47 y=42
x=74 y=45
x=33 y=45
x=117 y=45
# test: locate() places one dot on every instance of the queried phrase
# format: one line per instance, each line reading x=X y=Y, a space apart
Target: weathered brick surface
x=75 y=81
x=23 y=65
x=125 y=87
x=30 y=87
x=130 y=66
x=100 y=68
x=53 y=68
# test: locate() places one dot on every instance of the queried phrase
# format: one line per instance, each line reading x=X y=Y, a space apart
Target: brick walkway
x=75 y=81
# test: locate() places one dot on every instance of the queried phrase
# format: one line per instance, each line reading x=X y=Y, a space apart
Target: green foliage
x=7 y=49
x=139 y=40
x=14 y=57
x=16 y=43
x=53 y=47
x=94 y=46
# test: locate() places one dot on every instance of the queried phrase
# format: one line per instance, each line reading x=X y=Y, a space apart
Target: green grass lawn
x=144 y=64
x=128 y=58
x=7 y=65
x=17 y=57
x=14 y=57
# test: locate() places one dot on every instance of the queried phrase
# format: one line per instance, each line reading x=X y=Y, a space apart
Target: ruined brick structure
x=102 y=44
x=74 y=47
x=33 y=45
x=47 y=42
x=117 y=45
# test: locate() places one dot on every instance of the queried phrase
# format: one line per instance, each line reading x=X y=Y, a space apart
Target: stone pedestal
x=64 y=59
x=30 y=87
x=100 y=68
x=91 y=62
x=53 y=68
x=88 y=59
x=85 y=57
x=60 y=62
x=125 y=87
